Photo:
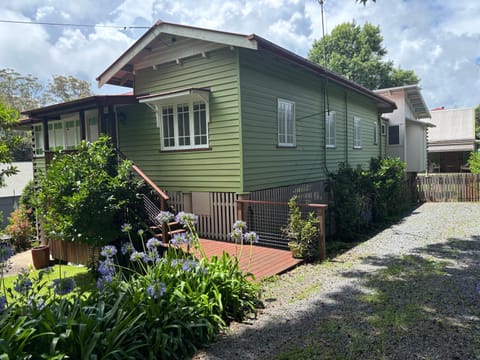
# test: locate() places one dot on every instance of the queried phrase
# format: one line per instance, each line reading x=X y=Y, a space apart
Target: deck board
x=261 y=261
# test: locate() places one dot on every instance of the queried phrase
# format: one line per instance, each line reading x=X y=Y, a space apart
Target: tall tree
x=8 y=118
x=21 y=92
x=358 y=54
x=65 y=88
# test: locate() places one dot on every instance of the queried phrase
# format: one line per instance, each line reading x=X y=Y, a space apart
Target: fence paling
x=449 y=187
x=269 y=218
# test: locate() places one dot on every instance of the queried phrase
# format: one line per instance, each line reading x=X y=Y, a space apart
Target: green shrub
x=474 y=162
x=20 y=229
x=85 y=196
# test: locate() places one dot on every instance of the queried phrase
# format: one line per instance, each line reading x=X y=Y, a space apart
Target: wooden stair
x=173 y=229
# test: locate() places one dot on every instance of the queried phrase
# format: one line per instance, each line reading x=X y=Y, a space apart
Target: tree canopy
x=8 y=118
x=358 y=53
x=25 y=92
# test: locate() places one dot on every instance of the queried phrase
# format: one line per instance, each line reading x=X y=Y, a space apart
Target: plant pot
x=41 y=256
x=297 y=250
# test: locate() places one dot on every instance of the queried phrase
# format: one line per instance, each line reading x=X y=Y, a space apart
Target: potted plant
x=302 y=233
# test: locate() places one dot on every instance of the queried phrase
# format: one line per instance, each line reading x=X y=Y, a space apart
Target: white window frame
x=38 y=138
x=357 y=134
x=375 y=133
x=92 y=131
x=191 y=136
x=286 y=123
x=330 y=129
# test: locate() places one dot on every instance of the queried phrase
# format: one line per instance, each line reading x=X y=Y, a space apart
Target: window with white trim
x=38 y=135
x=286 y=122
x=375 y=133
x=92 y=128
x=330 y=119
x=55 y=135
x=184 y=125
x=357 y=140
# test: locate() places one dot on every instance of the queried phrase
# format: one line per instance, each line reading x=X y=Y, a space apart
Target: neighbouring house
x=452 y=139
x=12 y=191
x=405 y=128
x=215 y=117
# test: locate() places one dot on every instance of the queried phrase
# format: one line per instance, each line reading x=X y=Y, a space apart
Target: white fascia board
x=129 y=55
x=209 y=35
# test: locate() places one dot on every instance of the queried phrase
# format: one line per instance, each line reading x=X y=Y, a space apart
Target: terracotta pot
x=41 y=256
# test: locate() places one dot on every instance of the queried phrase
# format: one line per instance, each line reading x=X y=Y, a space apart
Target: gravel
x=410 y=292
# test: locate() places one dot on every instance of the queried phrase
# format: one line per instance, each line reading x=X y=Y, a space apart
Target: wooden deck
x=261 y=261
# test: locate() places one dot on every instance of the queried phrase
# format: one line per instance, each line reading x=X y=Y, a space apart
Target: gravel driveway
x=408 y=293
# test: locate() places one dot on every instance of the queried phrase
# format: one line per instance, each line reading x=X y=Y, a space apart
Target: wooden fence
x=449 y=187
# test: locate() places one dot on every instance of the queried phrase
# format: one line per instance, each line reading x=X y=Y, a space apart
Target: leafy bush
x=303 y=233
x=85 y=196
x=20 y=229
x=474 y=162
x=363 y=198
x=165 y=308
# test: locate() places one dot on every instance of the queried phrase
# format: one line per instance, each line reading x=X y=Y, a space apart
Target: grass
x=83 y=279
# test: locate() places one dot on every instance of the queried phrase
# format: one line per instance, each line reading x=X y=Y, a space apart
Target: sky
x=438 y=39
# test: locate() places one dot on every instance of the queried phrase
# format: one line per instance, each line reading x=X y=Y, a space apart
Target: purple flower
x=3 y=302
x=137 y=256
x=23 y=284
x=126 y=228
x=63 y=286
x=153 y=243
x=240 y=225
x=101 y=282
x=236 y=235
x=186 y=219
x=151 y=256
x=164 y=217
x=106 y=267
x=156 y=289
x=189 y=265
x=179 y=239
x=251 y=237
x=127 y=248
x=108 y=251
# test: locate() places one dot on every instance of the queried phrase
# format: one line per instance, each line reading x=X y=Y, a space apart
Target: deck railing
x=269 y=219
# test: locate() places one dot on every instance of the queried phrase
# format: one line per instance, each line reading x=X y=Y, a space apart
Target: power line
x=71 y=25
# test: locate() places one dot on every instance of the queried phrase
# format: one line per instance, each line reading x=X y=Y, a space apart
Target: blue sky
x=438 y=39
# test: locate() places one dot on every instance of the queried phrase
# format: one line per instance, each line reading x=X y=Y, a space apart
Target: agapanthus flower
x=137 y=256
x=240 y=225
x=22 y=285
x=106 y=267
x=251 y=237
x=3 y=302
x=126 y=228
x=38 y=304
x=108 y=251
x=189 y=265
x=104 y=280
x=164 y=216
x=151 y=256
x=186 y=219
x=63 y=286
x=140 y=232
x=127 y=248
x=236 y=235
x=156 y=289
x=179 y=239
x=153 y=243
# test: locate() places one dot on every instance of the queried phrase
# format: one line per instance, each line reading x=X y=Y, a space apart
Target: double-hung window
x=330 y=129
x=394 y=135
x=38 y=135
x=184 y=125
x=357 y=140
x=286 y=122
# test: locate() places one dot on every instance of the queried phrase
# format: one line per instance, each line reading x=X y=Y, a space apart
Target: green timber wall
x=264 y=78
x=217 y=169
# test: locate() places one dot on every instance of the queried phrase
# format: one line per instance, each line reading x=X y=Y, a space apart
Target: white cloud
x=439 y=40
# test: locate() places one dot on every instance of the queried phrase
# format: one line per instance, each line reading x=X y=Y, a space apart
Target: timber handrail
x=244 y=201
x=150 y=182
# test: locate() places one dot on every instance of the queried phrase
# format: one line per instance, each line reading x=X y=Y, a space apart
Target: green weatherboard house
x=215 y=116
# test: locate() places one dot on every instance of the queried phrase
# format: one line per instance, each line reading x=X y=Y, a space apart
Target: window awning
x=175 y=96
